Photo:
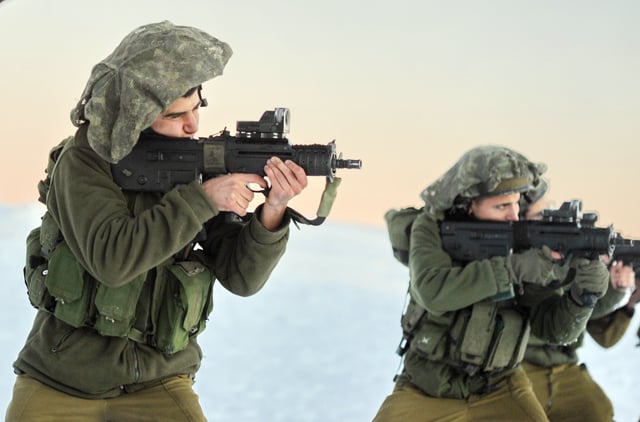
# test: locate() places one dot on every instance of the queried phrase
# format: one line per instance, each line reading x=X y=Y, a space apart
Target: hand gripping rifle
x=627 y=251
x=158 y=163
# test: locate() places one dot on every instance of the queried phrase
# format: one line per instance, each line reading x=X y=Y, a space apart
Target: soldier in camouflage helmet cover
x=151 y=68
x=479 y=172
x=466 y=325
x=563 y=386
x=123 y=281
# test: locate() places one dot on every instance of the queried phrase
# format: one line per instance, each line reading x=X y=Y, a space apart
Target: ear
x=471 y=206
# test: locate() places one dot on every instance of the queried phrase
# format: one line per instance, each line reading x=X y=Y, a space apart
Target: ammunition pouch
x=35 y=272
x=409 y=321
x=66 y=282
x=79 y=300
x=482 y=338
x=188 y=301
x=116 y=307
x=60 y=285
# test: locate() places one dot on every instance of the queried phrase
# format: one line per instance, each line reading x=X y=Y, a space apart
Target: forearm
x=609 y=329
x=271 y=217
x=559 y=320
x=244 y=258
x=439 y=285
x=608 y=302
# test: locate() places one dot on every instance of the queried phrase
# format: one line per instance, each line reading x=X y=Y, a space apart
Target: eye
x=173 y=116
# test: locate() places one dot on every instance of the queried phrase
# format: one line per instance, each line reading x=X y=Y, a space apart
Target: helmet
x=483 y=171
x=151 y=68
x=517 y=184
x=531 y=199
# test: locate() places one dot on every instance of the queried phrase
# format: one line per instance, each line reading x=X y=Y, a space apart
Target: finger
x=249 y=179
x=246 y=194
x=277 y=168
x=244 y=180
x=290 y=176
x=242 y=203
x=299 y=173
x=277 y=179
x=239 y=204
x=256 y=188
x=246 y=185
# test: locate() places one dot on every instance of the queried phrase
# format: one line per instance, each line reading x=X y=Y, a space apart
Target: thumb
x=249 y=178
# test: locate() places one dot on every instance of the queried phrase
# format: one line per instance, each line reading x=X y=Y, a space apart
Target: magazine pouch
x=186 y=305
x=65 y=281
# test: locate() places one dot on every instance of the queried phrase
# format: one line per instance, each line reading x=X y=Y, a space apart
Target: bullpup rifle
x=158 y=163
x=566 y=230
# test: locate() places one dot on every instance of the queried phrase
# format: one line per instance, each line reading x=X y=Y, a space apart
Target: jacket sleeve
x=556 y=319
x=244 y=255
x=110 y=241
x=609 y=329
x=559 y=320
x=438 y=284
x=607 y=303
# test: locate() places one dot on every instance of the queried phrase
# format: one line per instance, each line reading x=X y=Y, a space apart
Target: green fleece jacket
x=444 y=289
x=117 y=236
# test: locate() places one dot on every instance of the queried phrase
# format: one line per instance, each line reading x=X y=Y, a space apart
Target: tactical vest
x=486 y=337
x=174 y=307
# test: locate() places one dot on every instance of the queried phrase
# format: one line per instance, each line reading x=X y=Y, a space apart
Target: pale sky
x=407 y=86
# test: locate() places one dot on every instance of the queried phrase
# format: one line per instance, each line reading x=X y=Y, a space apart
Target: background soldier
x=467 y=324
x=565 y=388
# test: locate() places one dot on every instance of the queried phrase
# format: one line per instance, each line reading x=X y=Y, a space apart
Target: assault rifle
x=158 y=163
x=565 y=230
x=627 y=251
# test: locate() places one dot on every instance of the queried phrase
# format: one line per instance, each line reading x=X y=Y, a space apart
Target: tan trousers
x=568 y=393
x=512 y=402
x=171 y=400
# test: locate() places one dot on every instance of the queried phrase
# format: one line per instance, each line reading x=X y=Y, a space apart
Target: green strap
x=326 y=202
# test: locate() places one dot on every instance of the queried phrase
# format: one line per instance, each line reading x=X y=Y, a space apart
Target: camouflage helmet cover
x=153 y=66
x=533 y=195
x=482 y=171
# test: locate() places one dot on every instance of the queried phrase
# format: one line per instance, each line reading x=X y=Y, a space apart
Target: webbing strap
x=326 y=202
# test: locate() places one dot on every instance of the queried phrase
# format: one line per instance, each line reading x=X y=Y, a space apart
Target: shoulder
x=78 y=155
x=427 y=220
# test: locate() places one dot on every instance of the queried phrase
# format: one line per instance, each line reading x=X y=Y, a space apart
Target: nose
x=513 y=213
x=191 y=122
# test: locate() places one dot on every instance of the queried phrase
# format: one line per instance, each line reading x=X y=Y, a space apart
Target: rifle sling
x=326 y=202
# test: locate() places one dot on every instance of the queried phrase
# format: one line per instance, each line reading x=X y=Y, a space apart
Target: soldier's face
x=496 y=208
x=181 y=119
